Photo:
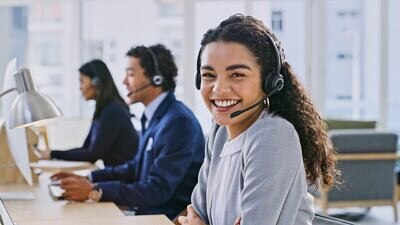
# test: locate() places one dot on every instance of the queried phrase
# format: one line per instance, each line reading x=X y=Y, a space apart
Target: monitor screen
x=16 y=138
x=4 y=217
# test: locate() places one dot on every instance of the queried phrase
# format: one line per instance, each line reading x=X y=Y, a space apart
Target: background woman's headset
x=272 y=83
x=95 y=79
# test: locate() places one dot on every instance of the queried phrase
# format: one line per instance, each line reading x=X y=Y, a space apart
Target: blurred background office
x=345 y=52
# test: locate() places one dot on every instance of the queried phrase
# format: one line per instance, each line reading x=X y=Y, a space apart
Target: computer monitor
x=16 y=138
x=5 y=218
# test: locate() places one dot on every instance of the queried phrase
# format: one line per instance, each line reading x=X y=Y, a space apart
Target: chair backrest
x=363 y=141
x=369 y=179
x=334 y=124
x=327 y=220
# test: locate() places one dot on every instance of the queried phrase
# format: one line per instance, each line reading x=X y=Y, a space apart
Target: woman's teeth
x=225 y=103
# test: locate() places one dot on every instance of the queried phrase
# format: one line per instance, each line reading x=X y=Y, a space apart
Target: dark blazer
x=164 y=172
x=111 y=138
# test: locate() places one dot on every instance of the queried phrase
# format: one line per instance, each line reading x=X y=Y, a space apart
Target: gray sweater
x=258 y=176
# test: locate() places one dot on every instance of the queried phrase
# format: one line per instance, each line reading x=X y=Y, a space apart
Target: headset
x=157 y=78
x=95 y=79
x=271 y=83
x=96 y=82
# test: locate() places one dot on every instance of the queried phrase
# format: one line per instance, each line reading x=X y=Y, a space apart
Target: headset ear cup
x=157 y=80
x=95 y=82
x=198 y=81
x=278 y=82
x=198 y=63
x=273 y=83
x=267 y=83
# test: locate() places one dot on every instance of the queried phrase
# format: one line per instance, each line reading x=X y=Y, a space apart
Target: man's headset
x=156 y=79
x=272 y=83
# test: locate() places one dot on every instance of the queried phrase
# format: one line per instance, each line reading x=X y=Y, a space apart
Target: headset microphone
x=237 y=113
x=278 y=87
x=139 y=89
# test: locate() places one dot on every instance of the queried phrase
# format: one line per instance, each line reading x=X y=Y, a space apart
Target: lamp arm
x=7 y=91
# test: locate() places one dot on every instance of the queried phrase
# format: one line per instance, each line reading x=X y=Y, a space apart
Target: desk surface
x=44 y=210
x=126 y=220
x=43 y=207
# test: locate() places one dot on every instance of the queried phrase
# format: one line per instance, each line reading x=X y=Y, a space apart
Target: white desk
x=44 y=210
x=126 y=220
x=43 y=207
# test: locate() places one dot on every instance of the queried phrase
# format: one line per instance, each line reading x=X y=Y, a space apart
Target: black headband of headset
x=278 y=60
x=155 y=61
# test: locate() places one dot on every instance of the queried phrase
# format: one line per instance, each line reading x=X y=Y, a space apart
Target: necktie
x=143 y=122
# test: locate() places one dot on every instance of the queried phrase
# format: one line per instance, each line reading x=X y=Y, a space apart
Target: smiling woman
x=268 y=144
x=228 y=73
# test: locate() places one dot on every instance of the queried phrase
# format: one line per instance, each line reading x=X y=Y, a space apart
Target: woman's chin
x=222 y=120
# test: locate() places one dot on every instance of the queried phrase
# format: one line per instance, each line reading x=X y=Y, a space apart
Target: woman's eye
x=207 y=75
x=237 y=75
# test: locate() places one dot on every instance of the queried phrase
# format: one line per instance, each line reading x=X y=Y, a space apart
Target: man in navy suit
x=163 y=174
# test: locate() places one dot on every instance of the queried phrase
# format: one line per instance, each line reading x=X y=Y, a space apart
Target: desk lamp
x=30 y=106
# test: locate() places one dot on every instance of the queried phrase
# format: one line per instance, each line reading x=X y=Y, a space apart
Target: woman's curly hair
x=291 y=103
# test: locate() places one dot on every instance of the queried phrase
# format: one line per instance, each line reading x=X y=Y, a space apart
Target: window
x=276 y=21
x=394 y=67
x=346 y=69
x=41 y=36
x=54 y=38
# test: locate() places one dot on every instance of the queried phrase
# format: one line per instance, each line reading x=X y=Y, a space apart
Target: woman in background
x=112 y=136
x=269 y=142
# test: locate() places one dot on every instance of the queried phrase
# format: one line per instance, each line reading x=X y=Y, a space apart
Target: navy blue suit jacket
x=111 y=138
x=163 y=174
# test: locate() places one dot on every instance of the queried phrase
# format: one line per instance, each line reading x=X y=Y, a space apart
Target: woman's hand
x=45 y=155
x=42 y=154
x=192 y=218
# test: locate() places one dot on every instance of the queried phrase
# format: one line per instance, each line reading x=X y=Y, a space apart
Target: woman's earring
x=266 y=103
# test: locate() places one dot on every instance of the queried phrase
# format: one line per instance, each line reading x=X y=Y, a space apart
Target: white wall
x=126 y=23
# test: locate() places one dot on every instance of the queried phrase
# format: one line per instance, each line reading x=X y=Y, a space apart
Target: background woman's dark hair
x=106 y=91
x=291 y=103
x=165 y=60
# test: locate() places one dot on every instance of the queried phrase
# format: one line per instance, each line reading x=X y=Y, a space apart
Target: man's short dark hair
x=166 y=64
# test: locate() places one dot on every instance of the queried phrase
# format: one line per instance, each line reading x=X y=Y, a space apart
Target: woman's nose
x=221 y=86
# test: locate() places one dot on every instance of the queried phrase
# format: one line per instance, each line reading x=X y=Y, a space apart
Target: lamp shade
x=30 y=106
